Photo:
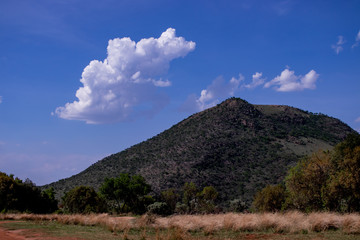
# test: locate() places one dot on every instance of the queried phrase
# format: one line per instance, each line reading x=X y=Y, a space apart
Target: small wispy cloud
x=287 y=81
x=0 y=99
x=257 y=80
x=217 y=91
x=357 y=120
x=357 y=40
x=124 y=85
x=338 y=47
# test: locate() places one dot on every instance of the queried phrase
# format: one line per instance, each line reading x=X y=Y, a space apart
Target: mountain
x=235 y=146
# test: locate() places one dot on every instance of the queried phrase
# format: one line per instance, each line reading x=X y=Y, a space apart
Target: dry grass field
x=291 y=225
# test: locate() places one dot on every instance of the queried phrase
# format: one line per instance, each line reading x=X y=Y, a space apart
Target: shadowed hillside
x=235 y=146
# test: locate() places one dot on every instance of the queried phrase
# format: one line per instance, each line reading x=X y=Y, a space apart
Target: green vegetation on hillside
x=235 y=146
x=327 y=180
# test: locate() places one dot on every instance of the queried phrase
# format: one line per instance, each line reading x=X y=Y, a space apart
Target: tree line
x=123 y=194
x=131 y=193
x=24 y=196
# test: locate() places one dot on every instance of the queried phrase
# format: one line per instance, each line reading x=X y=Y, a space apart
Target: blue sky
x=84 y=79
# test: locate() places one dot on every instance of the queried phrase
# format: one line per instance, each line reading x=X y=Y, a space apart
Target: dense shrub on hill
x=328 y=180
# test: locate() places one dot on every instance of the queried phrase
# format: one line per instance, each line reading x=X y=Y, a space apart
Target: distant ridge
x=235 y=146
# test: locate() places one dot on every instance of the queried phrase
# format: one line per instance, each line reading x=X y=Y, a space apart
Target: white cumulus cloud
x=338 y=46
x=212 y=95
x=357 y=40
x=257 y=80
x=125 y=83
x=287 y=81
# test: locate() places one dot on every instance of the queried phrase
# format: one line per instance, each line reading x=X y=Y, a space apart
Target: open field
x=293 y=225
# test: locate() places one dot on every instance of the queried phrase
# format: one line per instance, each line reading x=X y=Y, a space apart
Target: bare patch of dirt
x=10 y=235
x=26 y=234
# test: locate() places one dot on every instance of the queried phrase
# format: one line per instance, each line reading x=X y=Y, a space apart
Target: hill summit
x=235 y=146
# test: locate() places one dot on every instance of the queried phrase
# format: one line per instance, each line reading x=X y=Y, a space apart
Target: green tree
x=49 y=201
x=190 y=194
x=195 y=201
x=170 y=197
x=270 y=198
x=83 y=199
x=306 y=183
x=8 y=190
x=17 y=195
x=128 y=192
x=344 y=184
x=207 y=199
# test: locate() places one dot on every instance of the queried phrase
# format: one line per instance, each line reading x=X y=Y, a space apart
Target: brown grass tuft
x=177 y=234
x=351 y=223
x=325 y=221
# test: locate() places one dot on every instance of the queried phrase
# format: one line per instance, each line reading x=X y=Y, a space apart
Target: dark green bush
x=270 y=198
x=83 y=199
x=128 y=192
x=159 y=208
x=19 y=196
x=237 y=205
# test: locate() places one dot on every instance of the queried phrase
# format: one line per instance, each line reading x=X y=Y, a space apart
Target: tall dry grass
x=110 y=222
x=279 y=222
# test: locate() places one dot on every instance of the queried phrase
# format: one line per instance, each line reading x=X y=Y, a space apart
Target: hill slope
x=235 y=146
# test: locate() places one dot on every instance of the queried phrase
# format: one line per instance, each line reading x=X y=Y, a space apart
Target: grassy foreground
x=293 y=225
